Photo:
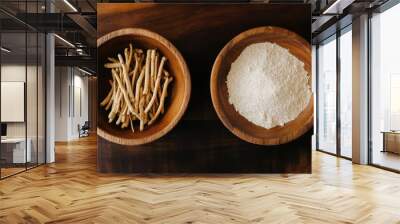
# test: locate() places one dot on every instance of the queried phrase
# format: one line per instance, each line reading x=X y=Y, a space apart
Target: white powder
x=268 y=85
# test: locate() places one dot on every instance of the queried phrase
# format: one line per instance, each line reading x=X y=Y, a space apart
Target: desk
x=15 y=148
x=391 y=141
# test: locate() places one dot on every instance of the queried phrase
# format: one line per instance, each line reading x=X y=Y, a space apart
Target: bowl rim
x=216 y=101
x=187 y=91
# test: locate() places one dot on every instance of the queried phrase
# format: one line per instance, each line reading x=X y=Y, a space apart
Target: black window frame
x=334 y=37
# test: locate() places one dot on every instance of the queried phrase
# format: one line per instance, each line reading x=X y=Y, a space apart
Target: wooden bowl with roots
x=176 y=102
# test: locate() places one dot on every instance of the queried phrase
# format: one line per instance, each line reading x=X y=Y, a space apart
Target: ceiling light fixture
x=5 y=50
x=337 y=7
x=70 y=5
x=84 y=71
x=65 y=41
x=80 y=51
x=333 y=6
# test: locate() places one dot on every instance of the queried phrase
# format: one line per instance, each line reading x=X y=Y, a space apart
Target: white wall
x=69 y=82
x=80 y=84
x=61 y=103
x=16 y=73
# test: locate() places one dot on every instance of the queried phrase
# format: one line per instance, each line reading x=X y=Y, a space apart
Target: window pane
x=385 y=95
x=327 y=96
x=346 y=94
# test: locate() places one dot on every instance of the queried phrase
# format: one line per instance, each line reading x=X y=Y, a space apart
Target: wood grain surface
x=234 y=121
x=200 y=143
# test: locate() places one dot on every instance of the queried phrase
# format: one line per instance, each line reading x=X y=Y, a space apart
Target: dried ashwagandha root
x=139 y=87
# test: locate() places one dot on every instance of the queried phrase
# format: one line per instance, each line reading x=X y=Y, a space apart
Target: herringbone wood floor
x=70 y=191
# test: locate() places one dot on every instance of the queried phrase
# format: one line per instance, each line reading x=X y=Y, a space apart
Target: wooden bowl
x=235 y=122
x=177 y=100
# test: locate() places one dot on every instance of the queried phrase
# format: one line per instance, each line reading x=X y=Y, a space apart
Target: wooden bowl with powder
x=228 y=101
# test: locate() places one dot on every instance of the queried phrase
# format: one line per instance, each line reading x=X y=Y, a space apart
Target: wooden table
x=200 y=143
x=391 y=141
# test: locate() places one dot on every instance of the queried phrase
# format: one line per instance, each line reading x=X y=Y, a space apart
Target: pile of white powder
x=268 y=85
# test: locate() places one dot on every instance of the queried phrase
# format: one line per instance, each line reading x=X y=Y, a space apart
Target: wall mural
x=204 y=88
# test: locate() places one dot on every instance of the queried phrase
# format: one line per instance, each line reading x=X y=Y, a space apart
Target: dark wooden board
x=200 y=143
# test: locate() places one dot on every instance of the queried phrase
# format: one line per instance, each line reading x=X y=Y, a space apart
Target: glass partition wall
x=22 y=77
x=13 y=122
x=334 y=86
